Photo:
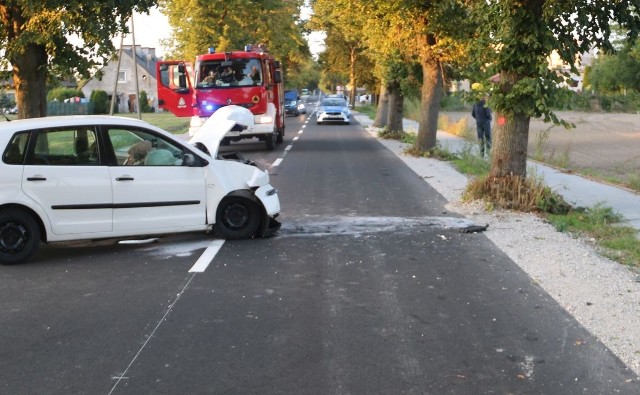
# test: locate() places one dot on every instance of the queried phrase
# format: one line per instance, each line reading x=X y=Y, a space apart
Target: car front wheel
x=237 y=218
x=19 y=236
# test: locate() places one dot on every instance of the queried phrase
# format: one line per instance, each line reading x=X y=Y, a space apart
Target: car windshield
x=334 y=102
x=233 y=73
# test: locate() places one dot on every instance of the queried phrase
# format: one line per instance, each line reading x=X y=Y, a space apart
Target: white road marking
x=296 y=138
x=300 y=132
x=277 y=162
x=207 y=256
x=288 y=148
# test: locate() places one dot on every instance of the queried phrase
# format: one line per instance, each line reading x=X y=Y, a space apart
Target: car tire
x=237 y=218
x=19 y=236
x=270 y=140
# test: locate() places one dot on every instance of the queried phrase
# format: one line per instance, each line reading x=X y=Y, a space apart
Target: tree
x=231 y=24
x=515 y=38
x=615 y=73
x=37 y=41
x=100 y=101
x=343 y=21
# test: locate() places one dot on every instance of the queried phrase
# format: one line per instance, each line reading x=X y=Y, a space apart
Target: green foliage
x=308 y=76
x=56 y=38
x=6 y=101
x=143 y=101
x=603 y=225
x=616 y=73
x=61 y=94
x=470 y=163
x=100 y=101
x=455 y=102
x=51 y=24
x=231 y=24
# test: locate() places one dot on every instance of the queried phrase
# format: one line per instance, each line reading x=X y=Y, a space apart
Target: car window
x=135 y=147
x=334 y=103
x=15 y=151
x=71 y=146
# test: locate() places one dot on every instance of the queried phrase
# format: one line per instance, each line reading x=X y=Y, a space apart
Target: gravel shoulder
x=601 y=294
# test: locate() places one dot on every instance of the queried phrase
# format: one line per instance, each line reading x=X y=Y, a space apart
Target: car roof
x=8 y=128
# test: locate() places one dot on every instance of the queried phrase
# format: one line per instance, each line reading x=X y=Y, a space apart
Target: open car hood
x=225 y=119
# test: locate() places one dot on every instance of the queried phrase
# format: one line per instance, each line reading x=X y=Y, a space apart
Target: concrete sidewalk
x=577 y=190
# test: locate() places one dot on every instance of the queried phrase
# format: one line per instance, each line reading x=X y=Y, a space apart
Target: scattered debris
x=474 y=228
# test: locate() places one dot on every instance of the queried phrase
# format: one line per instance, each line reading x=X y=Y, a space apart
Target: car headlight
x=293 y=103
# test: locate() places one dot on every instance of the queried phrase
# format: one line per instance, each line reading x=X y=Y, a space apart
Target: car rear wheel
x=19 y=236
x=237 y=218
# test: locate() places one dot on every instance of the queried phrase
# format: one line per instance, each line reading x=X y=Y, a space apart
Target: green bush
x=144 y=102
x=454 y=102
x=585 y=101
x=100 y=101
x=62 y=94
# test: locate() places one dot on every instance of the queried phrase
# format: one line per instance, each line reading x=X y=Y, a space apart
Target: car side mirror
x=188 y=160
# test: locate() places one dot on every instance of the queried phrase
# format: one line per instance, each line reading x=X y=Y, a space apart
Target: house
x=126 y=88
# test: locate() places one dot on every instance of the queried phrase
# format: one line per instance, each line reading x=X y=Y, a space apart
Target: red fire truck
x=251 y=78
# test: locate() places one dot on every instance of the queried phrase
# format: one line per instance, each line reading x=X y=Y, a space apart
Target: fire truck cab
x=251 y=78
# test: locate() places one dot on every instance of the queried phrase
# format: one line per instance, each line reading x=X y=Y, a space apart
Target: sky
x=151 y=29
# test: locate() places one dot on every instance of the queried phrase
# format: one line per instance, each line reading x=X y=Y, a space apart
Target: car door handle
x=37 y=178
x=124 y=178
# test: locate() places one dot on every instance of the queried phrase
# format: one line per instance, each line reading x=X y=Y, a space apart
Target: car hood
x=333 y=109
x=219 y=123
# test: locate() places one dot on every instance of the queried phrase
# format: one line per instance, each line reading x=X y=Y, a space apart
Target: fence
x=76 y=108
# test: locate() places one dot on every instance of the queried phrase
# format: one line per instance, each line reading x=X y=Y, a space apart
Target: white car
x=92 y=177
x=333 y=109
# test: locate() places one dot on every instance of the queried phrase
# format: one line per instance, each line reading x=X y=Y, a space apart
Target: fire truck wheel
x=280 y=136
x=271 y=140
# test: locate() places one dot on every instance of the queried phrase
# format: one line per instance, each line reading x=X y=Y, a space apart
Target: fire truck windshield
x=213 y=74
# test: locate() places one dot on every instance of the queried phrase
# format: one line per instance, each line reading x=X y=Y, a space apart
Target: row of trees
x=403 y=46
x=52 y=38
x=408 y=42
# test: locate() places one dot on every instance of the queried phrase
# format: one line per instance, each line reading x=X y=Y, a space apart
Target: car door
x=151 y=187
x=63 y=174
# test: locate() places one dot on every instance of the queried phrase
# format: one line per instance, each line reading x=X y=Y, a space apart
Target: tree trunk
x=382 y=109
x=396 y=107
x=352 y=78
x=30 y=77
x=430 y=106
x=509 y=146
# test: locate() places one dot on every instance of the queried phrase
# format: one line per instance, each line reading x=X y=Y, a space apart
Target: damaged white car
x=92 y=177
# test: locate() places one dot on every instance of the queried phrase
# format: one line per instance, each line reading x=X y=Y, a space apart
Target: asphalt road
x=369 y=288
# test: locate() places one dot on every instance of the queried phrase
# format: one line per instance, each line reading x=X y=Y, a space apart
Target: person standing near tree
x=482 y=114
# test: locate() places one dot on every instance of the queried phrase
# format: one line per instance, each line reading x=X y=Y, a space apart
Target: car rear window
x=14 y=153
